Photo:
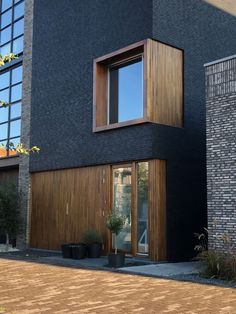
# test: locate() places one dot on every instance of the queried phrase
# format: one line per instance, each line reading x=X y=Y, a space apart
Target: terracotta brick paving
x=27 y=287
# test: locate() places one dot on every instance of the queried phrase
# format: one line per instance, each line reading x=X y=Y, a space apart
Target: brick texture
x=24 y=175
x=221 y=153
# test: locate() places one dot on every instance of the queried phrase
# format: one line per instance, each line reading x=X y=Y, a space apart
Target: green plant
x=217 y=264
x=92 y=236
x=10 y=220
x=115 y=223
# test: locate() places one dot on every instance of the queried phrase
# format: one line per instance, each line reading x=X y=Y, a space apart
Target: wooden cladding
x=164 y=75
x=157 y=210
x=162 y=84
x=65 y=203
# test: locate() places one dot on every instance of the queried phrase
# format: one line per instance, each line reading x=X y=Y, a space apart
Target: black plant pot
x=78 y=251
x=66 y=250
x=94 y=250
x=116 y=260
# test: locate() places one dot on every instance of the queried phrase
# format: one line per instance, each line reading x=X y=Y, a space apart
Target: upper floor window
x=11 y=26
x=126 y=90
x=138 y=84
x=10 y=117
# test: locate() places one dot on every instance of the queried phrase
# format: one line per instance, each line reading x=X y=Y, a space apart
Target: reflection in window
x=122 y=203
x=126 y=91
x=10 y=117
x=11 y=26
x=142 y=206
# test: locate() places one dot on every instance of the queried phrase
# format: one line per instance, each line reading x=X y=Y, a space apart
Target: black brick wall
x=68 y=35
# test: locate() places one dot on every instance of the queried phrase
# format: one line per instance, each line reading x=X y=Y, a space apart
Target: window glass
x=3 y=131
x=4 y=114
x=126 y=92
x=15 y=128
x=16 y=110
x=18 y=10
x=4 y=50
x=6 y=18
x=16 y=92
x=18 y=28
x=6 y=4
x=18 y=45
x=5 y=35
x=142 y=207
x=13 y=143
x=17 y=75
x=4 y=95
x=11 y=40
x=3 y=151
x=4 y=80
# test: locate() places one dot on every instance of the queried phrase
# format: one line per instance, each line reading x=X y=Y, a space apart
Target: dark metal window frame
x=14 y=4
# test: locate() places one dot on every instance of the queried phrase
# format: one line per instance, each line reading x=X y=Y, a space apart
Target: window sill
x=9 y=161
x=119 y=125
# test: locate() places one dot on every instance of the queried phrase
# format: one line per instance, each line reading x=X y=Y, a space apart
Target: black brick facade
x=221 y=153
x=68 y=35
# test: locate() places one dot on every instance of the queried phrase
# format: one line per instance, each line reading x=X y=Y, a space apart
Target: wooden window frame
x=162 y=84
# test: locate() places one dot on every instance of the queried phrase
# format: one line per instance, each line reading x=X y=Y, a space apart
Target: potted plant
x=115 y=223
x=93 y=240
x=10 y=219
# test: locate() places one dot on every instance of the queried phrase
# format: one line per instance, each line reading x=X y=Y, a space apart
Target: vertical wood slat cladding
x=157 y=210
x=66 y=203
x=164 y=84
x=100 y=95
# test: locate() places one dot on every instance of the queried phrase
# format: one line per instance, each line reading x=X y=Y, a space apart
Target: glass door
x=122 y=196
x=130 y=198
x=142 y=208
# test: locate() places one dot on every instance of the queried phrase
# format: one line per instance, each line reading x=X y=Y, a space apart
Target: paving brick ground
x=27 y=287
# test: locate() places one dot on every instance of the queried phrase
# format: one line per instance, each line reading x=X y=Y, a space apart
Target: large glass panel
x=13 y=144
x=3 y=131
x=18 y=45
x=15 y=128
x=126 y=92
x=5 y=35
x=16 y=92
x=16 y=110
x=18 y=10
x=122 y=204
x=4 y=50
x=4 y=80
x=16 y=75
x=4 y=95
x=142 y=207
x=18 y=28
x=6 y=18
x=4 y=114
x=6 y=4
x=3 y=151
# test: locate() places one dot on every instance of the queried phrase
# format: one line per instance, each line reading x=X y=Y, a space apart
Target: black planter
x=66 y=250
x=116 y=260
x=78 y=251
x=94 y=250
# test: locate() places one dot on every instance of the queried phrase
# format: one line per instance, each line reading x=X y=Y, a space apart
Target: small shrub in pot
x=93 y=240
x=115 y=223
